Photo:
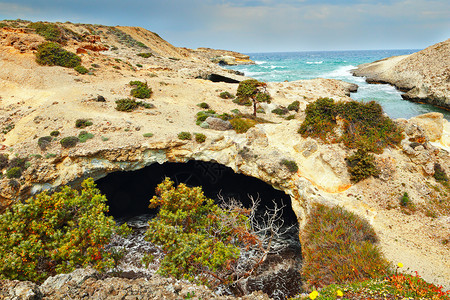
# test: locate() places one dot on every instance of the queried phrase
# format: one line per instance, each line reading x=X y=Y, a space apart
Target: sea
x=282 y=66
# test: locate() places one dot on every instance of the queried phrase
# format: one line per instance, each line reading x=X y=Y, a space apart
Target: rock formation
x=423 y=76
x=37 y=100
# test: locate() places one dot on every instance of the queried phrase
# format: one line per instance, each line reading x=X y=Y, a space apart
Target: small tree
x=253 y=90
x=203 y=242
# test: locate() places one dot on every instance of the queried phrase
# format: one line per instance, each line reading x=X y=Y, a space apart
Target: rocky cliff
x=423 y=76
x=38 y=100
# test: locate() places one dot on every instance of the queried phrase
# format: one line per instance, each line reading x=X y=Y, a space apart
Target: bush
x=364 y=124
x=185 y=135
x=3 y=161
x=405 y=201
x=290 y=164
x=339 y=247
x=201 y=241
x=44 y=142
x=241 y=125
x=83 y=136
x=226 y=95
x=82 y=123
x=69 y=142
x=280 y=111
x=52 y=54
x=20 y=162
x=294 y=106
x=145 y=55
x=203 y=115
x=200 y=137
x=439 y=173
x=203 y=105
x=126 y=104
x=54 y=133
x=50 y=32
x=14 y=172
x=361 y=165
x=140 y=90
x=50 y=234
x=80 y=69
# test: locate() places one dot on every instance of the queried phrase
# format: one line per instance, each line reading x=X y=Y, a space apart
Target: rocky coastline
x=423 y=76
x=38 y=100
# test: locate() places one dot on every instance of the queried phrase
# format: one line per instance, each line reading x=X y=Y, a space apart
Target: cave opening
x=129 y=192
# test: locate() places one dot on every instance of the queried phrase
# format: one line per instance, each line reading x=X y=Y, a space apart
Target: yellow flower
x=400 y=265
x=313 y=295
x=339 y=293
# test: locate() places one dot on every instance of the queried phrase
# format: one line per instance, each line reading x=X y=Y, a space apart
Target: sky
x=250 y=26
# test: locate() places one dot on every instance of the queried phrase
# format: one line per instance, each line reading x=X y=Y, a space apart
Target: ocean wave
x=314 y=62
x=343 y=71
x=260 y=62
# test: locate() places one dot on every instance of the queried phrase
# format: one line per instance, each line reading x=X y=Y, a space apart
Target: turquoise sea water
x=291 y=66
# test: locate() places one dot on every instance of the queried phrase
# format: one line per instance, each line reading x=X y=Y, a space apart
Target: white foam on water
x=343 y=71
x=260 y=62
x=314 y=62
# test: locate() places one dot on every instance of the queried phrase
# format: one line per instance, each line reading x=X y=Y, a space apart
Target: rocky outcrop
x=89 y=284
x=223 y=57
x=423 y=76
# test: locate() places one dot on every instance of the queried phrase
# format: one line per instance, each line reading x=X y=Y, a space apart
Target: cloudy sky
x=259 y=25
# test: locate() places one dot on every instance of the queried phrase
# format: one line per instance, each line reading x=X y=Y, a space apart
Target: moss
x=44 y=142
x=290 y=165
x=200 y=137
x=80 y=69
x=361 y=165
x=82 y=123
x=185 y=135
x=52 y=54
x=15 y=172
x=69 y=142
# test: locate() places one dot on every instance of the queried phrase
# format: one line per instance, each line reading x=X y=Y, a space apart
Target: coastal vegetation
x=140 y=90
x=56 y=233
x=252 y=90
x=129 y=105
x=52 y=54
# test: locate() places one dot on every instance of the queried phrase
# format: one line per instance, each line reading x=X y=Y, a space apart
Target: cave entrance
x=128 y=195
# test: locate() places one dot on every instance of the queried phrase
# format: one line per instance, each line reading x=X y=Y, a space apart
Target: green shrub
x=280 y=111
x=405 y=201
x=52 y=54
x=69 y=142
x=200 y=137
x=3 y=161
x=364 y=125
x=294 y=106
x=290 y=164
x=145 y=54
x=339 y=247
x=139 y=65
x=140 y=90
x=226 y=95
x=185 y=135
x=201 y=241
x=241 y=125
x=126 y=104
x=50 y=234
x=50 y=32
x=361 y=165
x=54 y=133
x=439 y=173
x=83 y=136
x=80 y=69
x=203 y=115
x=14 y=172
x=105 y=138
x=82 y=123
x=18 y=162
x=147 y=134
x=203 y=105
x=50 y=155
x=44 y=142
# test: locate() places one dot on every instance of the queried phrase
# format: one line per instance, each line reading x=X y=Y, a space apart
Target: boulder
x=432 y=123
x=218 y=124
